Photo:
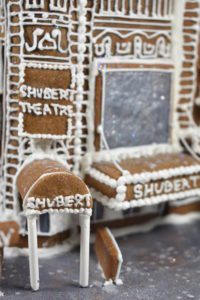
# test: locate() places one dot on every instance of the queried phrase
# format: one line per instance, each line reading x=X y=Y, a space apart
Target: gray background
x=163 y=264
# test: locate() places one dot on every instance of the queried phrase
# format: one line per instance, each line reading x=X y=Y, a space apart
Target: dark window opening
x=44 y=223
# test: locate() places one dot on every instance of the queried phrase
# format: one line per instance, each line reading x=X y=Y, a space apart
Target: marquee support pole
x=33 y=252
x=85 y=249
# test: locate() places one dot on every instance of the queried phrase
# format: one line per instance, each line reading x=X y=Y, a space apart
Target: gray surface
x=137 y=108
x=161 y=265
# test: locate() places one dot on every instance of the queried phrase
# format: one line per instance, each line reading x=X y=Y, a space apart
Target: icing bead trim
x=22 y=133
x=114 y=204
x=143 y=177
x=87 y=211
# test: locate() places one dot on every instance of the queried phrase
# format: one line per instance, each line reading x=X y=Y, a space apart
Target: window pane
x=44 y=222
x=136 y=108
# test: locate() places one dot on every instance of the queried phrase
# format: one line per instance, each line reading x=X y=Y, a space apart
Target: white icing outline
x=27 y=205
x=135 y=49
x=120 y=10
x=46 y=175
x=62 y=147
x=117 y=205
x=119 y=256
x=106 y=70
x=45 y=66
x=143 y=177
x=186 y=110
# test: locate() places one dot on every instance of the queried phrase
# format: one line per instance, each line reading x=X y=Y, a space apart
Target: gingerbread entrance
x=47 y=186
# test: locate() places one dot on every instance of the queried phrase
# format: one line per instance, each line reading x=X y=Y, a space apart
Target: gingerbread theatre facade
x=108 y=89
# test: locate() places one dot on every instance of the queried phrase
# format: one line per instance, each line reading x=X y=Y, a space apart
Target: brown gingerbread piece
x=1 y=261
x=156 y=163
x=108 y=254
x=47 y=180
x=9 y=236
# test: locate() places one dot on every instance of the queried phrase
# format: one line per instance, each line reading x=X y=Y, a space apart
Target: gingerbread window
x=134 y=104
x=58 y=5
x=44 y=223
x=33 y=4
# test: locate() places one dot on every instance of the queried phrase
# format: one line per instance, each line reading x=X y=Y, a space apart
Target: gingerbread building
x=106 y=90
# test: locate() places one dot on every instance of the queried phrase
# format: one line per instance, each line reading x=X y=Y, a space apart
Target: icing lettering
x=39 y=109
x=5 y=238
x=151 y=189
x=75 y=201
x=44 y=93
x=138 y=191
x=46 y=41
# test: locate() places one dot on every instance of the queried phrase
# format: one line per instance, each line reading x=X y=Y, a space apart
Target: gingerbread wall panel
x=134 y=29
x=44 y=86
x=46 y=102
x=187 y=96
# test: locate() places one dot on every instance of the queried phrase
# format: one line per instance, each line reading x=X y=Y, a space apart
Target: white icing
x=39 y=43
x=119 y=255
x=40 y=109
x=118 y=205
x=67 y=246
x=6 y=237
x=33 y=4
x=58 y=5
x=119 y=232
x=136 y=48
x=87 y=211
x=63 y=148
x=135 y=11
x=107 y=282
x=23 y=133
x=165 y=187
x=46 y=93
x=59 y=223
x=72 y=201
x=80 y=81
x=142 y=177
x=186 y=56
x=173 y=219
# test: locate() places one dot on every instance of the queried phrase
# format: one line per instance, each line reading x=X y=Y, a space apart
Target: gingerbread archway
x=47 y=185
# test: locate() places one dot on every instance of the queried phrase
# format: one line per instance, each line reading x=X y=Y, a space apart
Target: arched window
x=33 y=4
x=58 y=5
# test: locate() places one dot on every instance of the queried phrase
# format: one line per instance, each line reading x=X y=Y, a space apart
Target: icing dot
x=45 y=15
x=82 y=20
x=121 y=189
x=120 y=197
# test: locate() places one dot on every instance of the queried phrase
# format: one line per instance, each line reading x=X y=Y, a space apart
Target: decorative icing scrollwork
x=54 y=5
x=58 y=5
x=104 y=49
x=137 y=46
x=46 y=41
x=148 y=8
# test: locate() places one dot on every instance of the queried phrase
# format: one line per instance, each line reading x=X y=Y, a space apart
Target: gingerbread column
x=85 y=249
x=33 y=252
